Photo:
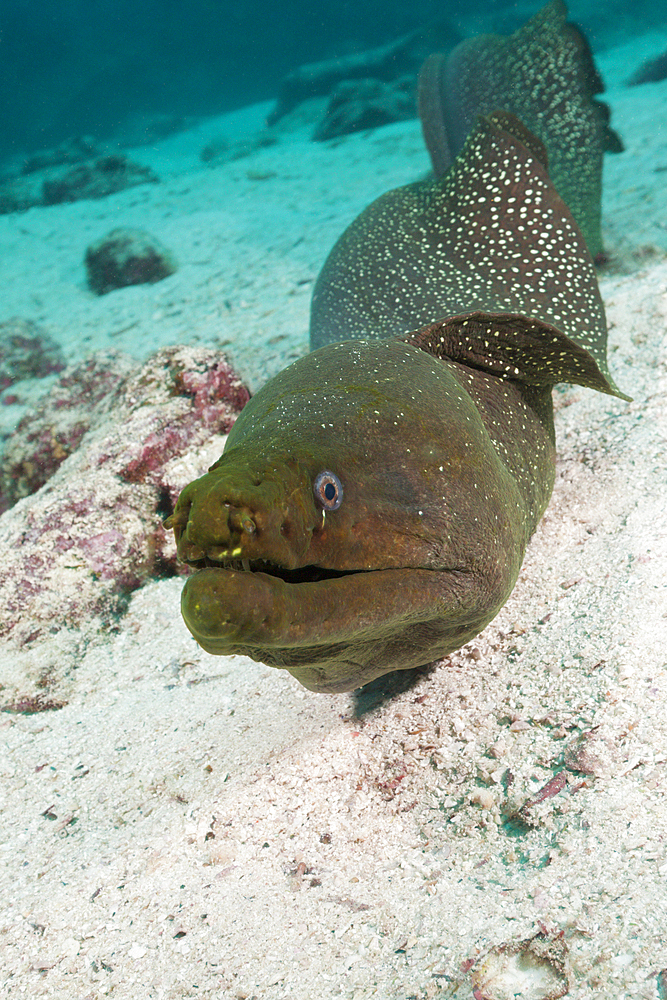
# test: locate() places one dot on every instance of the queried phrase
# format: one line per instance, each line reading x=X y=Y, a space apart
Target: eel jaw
x=301 y=574
x=266 y=608
x=342 y=630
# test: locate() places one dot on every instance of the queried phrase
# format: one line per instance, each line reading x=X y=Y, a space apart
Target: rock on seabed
x=75 y=549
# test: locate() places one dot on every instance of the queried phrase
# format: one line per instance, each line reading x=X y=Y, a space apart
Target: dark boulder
x=126 y=257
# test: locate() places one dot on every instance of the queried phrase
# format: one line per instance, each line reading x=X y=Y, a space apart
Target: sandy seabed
x=194 y=826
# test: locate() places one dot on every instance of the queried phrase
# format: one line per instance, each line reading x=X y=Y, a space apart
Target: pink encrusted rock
x=47 y=435
x=75 y=549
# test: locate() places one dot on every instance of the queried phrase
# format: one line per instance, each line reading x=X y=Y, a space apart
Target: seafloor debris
x=535 y=969
x=662 y=984
x=92 y=533
x=126 y=257
x=32 y=705
x=592 y=753
x=26 y=351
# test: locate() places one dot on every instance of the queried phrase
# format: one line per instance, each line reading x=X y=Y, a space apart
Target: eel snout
x=199 y=540
x=218 y=523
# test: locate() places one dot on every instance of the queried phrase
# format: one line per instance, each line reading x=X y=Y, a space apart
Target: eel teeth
x=217 y=552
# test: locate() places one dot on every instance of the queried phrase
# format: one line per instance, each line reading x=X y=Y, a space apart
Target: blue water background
x=85 y=67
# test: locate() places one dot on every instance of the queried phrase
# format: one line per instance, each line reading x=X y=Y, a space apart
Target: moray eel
x=372 y=506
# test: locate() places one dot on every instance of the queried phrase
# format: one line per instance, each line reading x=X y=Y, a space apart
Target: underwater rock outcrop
x=362 y=104
x=93 y=533
x=96 y=180
x=72 y=150
x=387 y=62
x=49 y=185
x=50 y=432
x=126 y=257
x=26 y=351
x=651 y=71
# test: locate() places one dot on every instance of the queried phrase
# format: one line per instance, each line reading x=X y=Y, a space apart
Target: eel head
x=343 y=534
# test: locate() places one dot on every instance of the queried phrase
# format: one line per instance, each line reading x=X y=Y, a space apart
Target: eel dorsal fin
x=491 y=236
x=545 y=74
x=516 y=348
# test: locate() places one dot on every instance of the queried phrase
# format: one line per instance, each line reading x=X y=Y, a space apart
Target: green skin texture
x=429 y=556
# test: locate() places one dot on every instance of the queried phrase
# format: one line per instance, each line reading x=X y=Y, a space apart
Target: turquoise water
x=81 y=68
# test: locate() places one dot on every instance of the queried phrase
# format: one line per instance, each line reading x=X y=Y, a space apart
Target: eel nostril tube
x=240 y=519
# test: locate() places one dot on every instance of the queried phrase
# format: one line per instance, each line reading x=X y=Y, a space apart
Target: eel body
x=372 y=506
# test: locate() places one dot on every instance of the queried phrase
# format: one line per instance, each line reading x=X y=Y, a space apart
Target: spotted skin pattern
x=528 y=252
x=544 y=74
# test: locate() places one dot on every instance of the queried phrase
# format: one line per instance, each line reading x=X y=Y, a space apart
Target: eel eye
x=328 y=490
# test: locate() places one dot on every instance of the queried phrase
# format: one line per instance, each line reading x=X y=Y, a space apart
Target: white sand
x=193 y=826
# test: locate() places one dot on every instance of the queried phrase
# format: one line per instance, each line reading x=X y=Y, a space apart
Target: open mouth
x=303 y=574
